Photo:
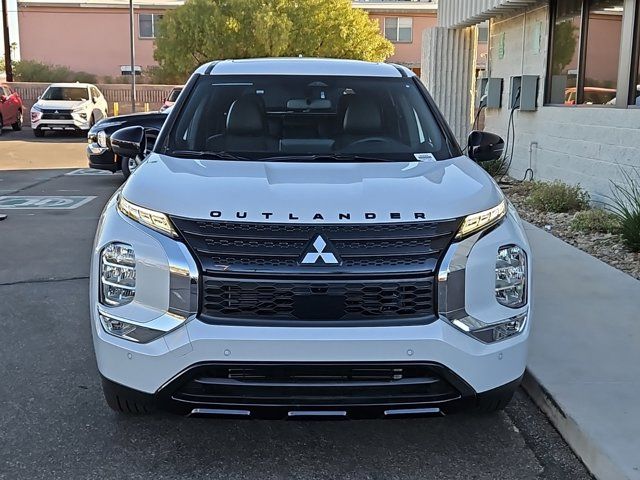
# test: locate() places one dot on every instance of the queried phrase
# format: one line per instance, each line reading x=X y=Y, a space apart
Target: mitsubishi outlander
x=307 y=239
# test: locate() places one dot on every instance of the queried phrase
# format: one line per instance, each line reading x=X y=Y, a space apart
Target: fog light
x=511 y=276
x=489 y=333
x=129 y=331
x=117 y=274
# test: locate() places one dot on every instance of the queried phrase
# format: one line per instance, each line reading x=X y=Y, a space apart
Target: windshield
x=333 y=117
x=66 y=93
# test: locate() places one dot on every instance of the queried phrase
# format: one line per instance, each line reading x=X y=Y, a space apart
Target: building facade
x=93 y=35
x=89 y=35
x=578 y=61
x=403 y=22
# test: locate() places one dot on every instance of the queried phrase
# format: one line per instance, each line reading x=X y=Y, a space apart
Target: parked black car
x=99 y=150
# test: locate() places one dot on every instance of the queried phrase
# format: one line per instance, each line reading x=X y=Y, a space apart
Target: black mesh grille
x=392 y=248
x=56 y=115
x=308 y=301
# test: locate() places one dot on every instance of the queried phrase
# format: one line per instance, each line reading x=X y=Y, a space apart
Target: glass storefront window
x=565 y=52
x=602 y=54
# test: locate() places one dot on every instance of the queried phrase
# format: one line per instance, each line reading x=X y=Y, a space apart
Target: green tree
x=203 y=30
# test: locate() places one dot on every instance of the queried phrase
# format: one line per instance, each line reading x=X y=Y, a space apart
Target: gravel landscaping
x=607 y=247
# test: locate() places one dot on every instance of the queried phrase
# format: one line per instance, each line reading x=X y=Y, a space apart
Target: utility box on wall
x=529 y=94
x=494 y=92
x=523 y=93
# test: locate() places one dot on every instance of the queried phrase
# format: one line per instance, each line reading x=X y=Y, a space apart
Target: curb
x=587 y=448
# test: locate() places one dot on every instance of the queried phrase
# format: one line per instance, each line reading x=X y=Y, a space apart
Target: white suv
x=307 y=239
x=68 y=106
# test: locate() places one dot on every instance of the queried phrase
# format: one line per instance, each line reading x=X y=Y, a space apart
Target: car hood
x=60 y=104
x=312 y=192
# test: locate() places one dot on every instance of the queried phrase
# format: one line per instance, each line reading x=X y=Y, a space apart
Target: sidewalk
x=584 y=357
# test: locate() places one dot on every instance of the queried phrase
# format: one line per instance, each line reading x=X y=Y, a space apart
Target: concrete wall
x=94 y=40
x=576 y=144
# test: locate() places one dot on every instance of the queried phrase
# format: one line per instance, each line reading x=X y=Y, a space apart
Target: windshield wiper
x=327 y=157
x=205 y=154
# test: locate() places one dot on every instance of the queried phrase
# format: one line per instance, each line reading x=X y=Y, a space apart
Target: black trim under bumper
x=253 y=398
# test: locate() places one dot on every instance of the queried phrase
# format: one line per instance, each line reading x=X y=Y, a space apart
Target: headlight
x=511 y=276
x=149 y=218
x=117 y=274
x=36 y=108
x=101 y=138
x=481 y=220
x=129 y=331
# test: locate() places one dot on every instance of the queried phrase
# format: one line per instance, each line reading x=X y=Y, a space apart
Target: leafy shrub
x=495 y=168
x=32 y=71
x=595 y=220
x=558 y=197
x=625 y=198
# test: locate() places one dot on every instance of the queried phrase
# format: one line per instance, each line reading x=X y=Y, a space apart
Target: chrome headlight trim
x=136 y=331
x=451 y=298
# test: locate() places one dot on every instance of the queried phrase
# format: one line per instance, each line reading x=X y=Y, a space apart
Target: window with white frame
x=398 y=29
x=148 y=24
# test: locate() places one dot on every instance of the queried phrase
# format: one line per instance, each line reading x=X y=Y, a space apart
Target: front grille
x=56 y=115
x=315 y=384
x=226 y=299
x=391 y=248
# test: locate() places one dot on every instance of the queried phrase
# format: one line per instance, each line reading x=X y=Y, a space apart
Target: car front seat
x=246 y=127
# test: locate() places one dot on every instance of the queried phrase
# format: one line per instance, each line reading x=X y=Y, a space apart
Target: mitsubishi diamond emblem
x=56 y=111
x=317 y=253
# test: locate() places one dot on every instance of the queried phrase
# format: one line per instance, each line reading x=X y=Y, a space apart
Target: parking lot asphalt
x=54 y=423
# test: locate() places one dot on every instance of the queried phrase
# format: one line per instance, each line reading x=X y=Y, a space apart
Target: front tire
x=17 y=126
x=122 y=401
x=496 y=399
x=129 y=165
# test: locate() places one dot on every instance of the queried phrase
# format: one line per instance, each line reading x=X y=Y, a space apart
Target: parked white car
x=68 y=106
x=305 y=239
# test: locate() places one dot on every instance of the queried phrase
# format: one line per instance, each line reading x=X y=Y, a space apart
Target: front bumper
x=102 y=158
x=157 y=368
x=76 y=124
x=192 y=394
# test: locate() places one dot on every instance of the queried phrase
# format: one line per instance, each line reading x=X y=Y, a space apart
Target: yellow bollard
x=116 y=109
x=146 y=107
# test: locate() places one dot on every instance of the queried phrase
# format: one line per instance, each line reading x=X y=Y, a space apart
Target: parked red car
x=11 y=108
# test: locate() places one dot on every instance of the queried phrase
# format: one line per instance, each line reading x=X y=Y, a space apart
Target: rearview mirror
x=129 y=142
x=485 y=146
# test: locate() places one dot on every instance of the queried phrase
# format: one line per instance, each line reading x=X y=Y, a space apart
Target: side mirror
x=129 y=142
x=485 y=146
x=94 y=100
